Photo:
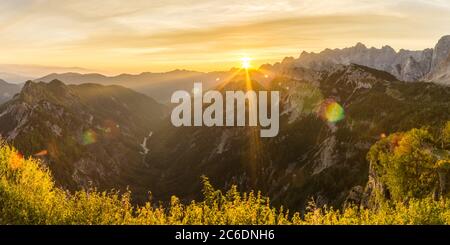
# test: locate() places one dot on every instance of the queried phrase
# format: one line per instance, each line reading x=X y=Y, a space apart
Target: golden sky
x=133 y=36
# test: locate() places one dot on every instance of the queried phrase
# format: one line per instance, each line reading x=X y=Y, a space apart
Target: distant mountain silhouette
x=8 y=90
x=159 y=86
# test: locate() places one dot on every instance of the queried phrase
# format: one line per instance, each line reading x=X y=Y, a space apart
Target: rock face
x=440 y=63
x=405 y=65
x=87 y=134
x=424 y=65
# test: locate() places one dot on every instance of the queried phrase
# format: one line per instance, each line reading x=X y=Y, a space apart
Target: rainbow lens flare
x=89 y=137
x=110 y=129
x=331 y=111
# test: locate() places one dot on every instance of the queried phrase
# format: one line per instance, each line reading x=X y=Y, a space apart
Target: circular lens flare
x=89 y=137
x=331 y=111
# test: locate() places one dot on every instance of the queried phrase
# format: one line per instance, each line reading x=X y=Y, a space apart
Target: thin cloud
x=151 y=35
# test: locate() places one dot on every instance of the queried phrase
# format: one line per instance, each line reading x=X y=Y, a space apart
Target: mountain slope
x=87 y=134
x=318 y=153
x=8 y=90
x=329 y=119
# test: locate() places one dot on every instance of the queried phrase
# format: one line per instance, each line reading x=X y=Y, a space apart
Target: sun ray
x=228 y=79
x=255 y=154
x=246 y=63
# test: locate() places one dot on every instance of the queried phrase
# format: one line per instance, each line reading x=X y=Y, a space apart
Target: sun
x=246 y=62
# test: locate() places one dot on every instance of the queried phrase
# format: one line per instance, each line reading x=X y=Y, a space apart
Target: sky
x=134 y=36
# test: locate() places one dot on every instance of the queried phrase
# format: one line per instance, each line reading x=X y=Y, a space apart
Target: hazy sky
x=114 y=36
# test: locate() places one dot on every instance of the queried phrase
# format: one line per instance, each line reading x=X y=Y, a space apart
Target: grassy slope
x=28 y=196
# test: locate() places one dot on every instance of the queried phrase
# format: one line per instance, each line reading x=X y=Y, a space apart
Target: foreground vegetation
x=28 y=195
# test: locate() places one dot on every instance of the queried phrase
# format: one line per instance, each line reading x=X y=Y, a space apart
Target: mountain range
x=159 y=86
x=334 y=106
x=108 y=136
x=430 y=65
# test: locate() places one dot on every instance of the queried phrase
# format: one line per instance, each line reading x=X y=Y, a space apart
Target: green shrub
x=409 y=164
x=28 y=195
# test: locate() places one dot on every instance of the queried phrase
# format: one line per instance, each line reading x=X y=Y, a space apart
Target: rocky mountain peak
x=356 y=76
x=388 y=48
x=440 y=62
x=360 y=46
x=441 y=52
x=55 y=91
x=304 y=53
x=422 y=65
x=444 y=39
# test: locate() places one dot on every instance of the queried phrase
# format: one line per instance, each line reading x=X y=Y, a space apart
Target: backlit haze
x=134 y=36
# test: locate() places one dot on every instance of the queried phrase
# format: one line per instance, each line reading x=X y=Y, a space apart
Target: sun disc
x=246 y=62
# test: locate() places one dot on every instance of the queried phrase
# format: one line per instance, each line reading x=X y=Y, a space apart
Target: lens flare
x=89 y=137
x=16 y=160
x=246 y=62
x=109 y=129
x=331 y=111
x=41 y=153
